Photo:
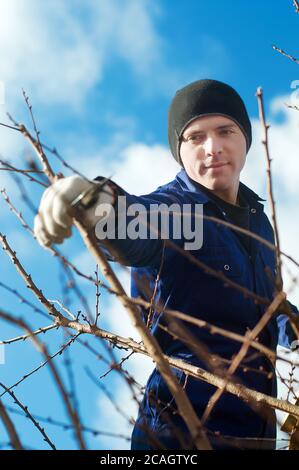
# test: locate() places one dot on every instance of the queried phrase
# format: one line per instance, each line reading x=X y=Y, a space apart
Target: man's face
x=213 y=152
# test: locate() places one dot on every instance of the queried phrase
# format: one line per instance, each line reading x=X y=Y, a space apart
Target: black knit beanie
x=201 y=98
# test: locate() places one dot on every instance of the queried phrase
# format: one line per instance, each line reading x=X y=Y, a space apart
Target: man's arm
x=113 y=208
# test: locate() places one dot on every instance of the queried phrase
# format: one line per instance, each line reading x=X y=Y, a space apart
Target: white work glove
x=54 y=220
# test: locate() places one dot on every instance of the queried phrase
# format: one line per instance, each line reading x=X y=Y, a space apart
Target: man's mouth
x=216 y=165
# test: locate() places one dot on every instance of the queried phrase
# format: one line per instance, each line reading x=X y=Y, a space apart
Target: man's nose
x=213 y=146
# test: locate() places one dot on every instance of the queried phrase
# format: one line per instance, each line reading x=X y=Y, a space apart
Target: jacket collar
x=187 y=184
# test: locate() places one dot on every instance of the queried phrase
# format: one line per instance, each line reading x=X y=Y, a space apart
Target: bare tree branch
x=281 y=51
x=11 y=430
x=29 y=415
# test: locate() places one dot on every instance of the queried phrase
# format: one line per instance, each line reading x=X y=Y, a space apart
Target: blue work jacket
x=185 y=287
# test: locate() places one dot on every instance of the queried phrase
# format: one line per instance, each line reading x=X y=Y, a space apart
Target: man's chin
x=213 y=184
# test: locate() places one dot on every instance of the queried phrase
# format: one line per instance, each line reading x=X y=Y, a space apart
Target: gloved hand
x=54 y=220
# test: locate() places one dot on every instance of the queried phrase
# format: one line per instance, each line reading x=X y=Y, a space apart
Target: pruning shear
x=87 y=198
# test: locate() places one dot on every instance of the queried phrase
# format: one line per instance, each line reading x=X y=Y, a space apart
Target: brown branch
x=11 y=430
x=43 y=349
x=24 y=301
x=29 y=415
x=97 y=295
x=38 y=143
x=265 y=128
x=278 y=281
x=115 y=366
x=118 y=366
x=296 y=108
x=24 y=337
x=65 y=309
x=27 y=278
x=16 y=212
x=10 y=167
x=296 y=5
x=67 y=426
x=9 y=127
x=21 y=170
x=288 y=383
x=37 y=147
x=23 y=192
x=293 y=59
x=49 y=358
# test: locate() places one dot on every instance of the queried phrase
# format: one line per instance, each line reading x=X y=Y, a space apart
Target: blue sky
x=100 y=76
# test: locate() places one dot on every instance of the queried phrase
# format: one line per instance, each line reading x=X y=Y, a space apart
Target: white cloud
x=143 y=168
x=136 y=40
x=85 y=262
x=58 y=50
x=46 y=50
x=282 y=137
x=139 y=168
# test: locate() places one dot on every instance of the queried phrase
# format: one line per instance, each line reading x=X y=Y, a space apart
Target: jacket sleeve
x=124 y=247
x=286 y=333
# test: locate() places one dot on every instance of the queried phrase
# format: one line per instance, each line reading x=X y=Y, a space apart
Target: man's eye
x=195 y=138
x=226 y=132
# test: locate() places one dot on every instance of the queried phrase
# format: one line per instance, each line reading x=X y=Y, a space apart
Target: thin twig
x=37 y=147
x=10 y=167
x=27 y=278
x=29 y=415
x=265 y=128
x=24 y=337
x=97 y=295
x=67 y=426
x=296 y=108
x=281 y=51
x=23 y=300
x=16 y=212
x=49 y=358
x=11 y=430
x=43 y=349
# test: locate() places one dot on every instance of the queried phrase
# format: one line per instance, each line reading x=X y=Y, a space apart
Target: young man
x=209 y=135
